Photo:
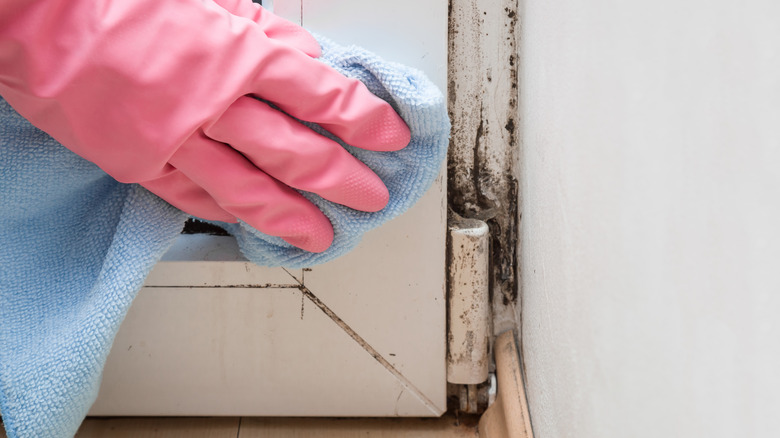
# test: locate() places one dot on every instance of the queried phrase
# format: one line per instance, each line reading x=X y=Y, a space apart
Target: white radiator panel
x=212 y=334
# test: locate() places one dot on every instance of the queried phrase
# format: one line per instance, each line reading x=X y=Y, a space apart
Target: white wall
x=651 y=217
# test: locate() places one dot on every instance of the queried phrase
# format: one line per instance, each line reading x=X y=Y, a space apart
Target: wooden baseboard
x=508 y=416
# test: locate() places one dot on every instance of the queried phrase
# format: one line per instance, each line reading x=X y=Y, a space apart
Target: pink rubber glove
x=155 y=92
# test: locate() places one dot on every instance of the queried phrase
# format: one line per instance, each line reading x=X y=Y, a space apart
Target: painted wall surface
x=651 y=217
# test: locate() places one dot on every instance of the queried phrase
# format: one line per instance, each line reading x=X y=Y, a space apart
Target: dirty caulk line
x=229 y=286
x=366 y=346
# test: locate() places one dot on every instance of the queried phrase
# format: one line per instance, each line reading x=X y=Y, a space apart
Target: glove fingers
x=297 y=156
x=182 y=193
x=310 y=90
x=275 y=27
x=252 y=196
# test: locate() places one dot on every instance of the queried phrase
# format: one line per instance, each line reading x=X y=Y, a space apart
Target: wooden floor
x=447 y=426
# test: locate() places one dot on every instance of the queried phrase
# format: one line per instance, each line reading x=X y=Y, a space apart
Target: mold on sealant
x=483 y=97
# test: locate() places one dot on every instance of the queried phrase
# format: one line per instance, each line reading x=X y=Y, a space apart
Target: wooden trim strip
x=508 y=417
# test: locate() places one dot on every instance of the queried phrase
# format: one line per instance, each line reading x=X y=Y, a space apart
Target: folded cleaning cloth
x=77 y=245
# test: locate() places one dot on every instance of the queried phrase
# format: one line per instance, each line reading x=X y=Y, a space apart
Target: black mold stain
x=477 y=187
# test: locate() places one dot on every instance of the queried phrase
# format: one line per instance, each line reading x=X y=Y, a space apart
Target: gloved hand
x=156 y=92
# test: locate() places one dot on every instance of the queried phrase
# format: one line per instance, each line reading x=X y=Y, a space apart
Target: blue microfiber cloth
x=77 y=245
x=407 y=173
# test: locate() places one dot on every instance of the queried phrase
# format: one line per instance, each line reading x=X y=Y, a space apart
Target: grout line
x=238 y=429
x=366 y=346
